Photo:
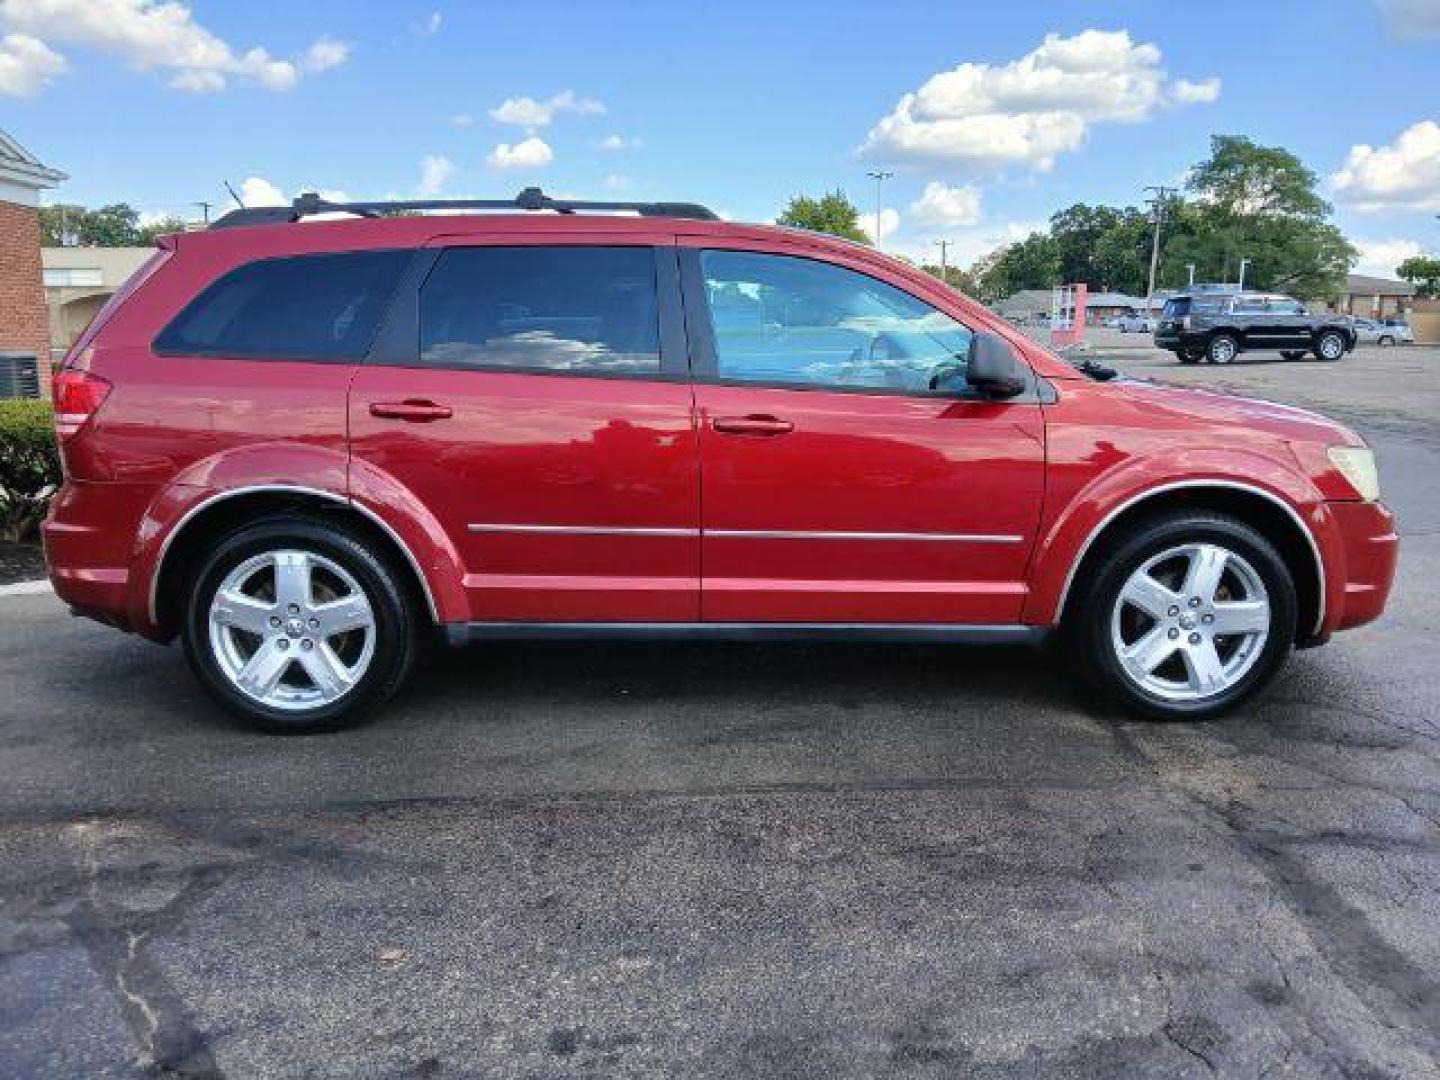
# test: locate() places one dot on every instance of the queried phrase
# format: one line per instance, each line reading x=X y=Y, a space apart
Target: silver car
x=1389 y=332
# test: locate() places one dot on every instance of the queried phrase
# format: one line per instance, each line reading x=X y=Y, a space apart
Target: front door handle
x=413 y=410
x=751 y=425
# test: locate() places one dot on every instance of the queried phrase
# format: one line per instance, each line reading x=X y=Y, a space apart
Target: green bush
x=29 y=467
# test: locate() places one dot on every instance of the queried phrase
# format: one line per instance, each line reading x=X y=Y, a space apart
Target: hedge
x=29 y=467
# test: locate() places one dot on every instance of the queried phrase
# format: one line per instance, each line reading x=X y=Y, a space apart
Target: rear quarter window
x=301 y=307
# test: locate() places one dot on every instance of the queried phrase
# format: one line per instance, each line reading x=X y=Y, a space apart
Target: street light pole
x=944 y=246
x=1243 y=264
x=1191 y=267
x=1158 y=202
x=879 y=176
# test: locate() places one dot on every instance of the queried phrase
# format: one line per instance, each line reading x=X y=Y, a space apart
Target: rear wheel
x=1386 y=340
x=1222 y=349
x=298 y=627
x=1330 y=345
x=1185 y=618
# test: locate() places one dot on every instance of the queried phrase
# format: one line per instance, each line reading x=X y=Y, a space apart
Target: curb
x=27 y=588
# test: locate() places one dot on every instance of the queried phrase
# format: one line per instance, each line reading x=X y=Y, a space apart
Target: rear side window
x=1176 y=307
x=566 y=309
x=303 y=307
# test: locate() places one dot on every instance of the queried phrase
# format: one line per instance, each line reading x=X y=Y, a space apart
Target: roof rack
x=532 y=198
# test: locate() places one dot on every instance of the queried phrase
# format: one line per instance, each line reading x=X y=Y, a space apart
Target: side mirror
x=993 y=368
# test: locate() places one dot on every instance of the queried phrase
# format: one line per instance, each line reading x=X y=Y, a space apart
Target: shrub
x=29 y=467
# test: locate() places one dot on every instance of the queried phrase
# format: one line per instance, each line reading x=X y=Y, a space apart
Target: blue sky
x=737 y=105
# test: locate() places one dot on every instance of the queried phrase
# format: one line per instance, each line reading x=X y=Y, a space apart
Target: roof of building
x=1026 y=301
x=19 y=166
x=1365 y=285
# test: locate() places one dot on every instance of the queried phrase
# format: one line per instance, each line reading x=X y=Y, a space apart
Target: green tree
x=1259 y=203
x=1422 y=271
x=832 y=213
x=953 y=276
x=168 y=224
x=1031 y=263
x=68 y=225
x=1106 y=247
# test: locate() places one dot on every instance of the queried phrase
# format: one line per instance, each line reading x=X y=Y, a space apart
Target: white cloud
x=325 y=54
x=944 y=206
x=531 y=153
x=435 y=172
x=1411 y=18
x=616 y=182
x=527 y=112
x=1381 y=257
x=1030 y=110
x=889 y=222
x=428 y=25
x=257 y=191
x=967 y=245
x=150 y=35
x=27 y=65
x=1402 y=176
x=614 y=143
x=1195 y=93
x=462 y=120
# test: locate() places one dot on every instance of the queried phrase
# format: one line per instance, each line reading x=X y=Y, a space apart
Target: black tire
x=1385 y=339
x=1087 y=630
x=1332 y=342
x=1292 y=354
x=1222 y=349
x=396 y=624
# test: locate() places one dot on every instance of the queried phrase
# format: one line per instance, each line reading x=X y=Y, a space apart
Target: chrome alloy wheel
x=1332 y=346
x=1223 y=351
x=1190 y=623
x=292 y=629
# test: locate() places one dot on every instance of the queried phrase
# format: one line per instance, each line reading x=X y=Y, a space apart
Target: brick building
x=24 y=323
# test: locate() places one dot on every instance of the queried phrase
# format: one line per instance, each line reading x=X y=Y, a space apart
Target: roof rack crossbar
x=309 y=204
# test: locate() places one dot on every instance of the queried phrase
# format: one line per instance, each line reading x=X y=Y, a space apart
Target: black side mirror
x=993 y=369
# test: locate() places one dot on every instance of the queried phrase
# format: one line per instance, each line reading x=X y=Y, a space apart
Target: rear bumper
x=89 y=537
x=1370 y=552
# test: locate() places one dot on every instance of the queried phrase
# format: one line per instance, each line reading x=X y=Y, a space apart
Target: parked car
x=1136 y=322
x=300 y=448
x=1218 y=327
x=1386 y=332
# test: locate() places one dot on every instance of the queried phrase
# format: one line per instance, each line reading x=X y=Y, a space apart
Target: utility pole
x=204 y=210
x=1157 y=202
x=879 y=176
x=944 y=246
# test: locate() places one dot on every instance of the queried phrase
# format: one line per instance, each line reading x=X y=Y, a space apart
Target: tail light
x=78 y=396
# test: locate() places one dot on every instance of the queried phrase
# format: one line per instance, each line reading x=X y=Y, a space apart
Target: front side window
x=564 y=309
x=303 y=307
x=787 y=320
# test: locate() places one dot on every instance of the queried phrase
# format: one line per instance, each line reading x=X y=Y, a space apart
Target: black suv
x=1217 y=327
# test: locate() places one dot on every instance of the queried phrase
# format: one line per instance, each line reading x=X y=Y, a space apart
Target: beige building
x=78 y=281
x=1374 y=297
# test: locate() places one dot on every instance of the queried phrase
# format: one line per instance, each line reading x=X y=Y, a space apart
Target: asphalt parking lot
x=723 y=860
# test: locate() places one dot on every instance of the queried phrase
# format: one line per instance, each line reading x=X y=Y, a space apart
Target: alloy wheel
x=291 y=629
x=1190 y=623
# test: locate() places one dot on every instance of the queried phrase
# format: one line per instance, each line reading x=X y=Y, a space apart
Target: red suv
x=300 y=445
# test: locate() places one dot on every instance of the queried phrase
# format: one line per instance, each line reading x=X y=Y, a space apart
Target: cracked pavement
x=726 y=860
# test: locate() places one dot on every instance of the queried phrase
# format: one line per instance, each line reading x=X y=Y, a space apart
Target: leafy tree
x=1259 y=203
x=1031 y=263
x=1106 y=247
x=116 y=225
x=953 y=276
x=832 y=213
x=1422 y=271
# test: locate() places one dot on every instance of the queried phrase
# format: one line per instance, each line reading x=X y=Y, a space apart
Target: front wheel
x=1184 y=618
x=1330 y=345
x=1386 y=340
x=298 y=627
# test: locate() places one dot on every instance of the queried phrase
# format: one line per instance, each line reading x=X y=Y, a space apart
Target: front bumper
x=1370 y=551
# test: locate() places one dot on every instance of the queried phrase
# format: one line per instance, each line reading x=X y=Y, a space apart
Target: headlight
x=1357 y=465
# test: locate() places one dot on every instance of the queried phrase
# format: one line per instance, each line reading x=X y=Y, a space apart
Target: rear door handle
x=413 y=410
x=751 y=425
